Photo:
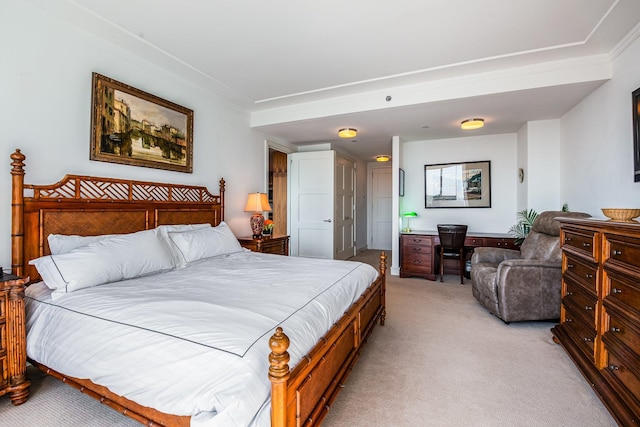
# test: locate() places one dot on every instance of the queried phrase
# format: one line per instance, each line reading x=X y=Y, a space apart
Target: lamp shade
x=382 y=158
x=409 y=214
x=257 y=202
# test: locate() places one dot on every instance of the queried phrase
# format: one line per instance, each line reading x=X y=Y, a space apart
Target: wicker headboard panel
x=85 y=205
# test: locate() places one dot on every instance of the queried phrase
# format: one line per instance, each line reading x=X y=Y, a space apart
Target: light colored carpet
x=440 y=360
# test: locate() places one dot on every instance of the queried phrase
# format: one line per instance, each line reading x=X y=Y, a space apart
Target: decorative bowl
x=621 y=214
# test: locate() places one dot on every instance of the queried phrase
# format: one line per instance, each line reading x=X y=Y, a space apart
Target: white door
x=312 y=221
x=345 y=191
x=381 y=208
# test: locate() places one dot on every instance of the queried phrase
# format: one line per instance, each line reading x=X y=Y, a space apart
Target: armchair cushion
x=525 y=284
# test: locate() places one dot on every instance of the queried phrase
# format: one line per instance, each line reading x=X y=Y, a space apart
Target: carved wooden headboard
x=87 y=206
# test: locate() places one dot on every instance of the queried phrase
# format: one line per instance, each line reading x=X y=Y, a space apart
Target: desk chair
x=452 y=246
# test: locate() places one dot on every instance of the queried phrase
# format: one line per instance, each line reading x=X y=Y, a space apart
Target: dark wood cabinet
x=13 y=341
x=278 y=245
x=600 y=314
x=418 y=252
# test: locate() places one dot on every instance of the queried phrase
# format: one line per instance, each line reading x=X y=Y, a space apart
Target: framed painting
x=401 y=183
x=458 y=185
x=133 y=127
x=636 y=135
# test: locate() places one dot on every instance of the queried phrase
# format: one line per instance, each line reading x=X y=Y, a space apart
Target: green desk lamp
x=407 y=215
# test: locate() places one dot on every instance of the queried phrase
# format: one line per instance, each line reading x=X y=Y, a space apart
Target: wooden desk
x=418 y=251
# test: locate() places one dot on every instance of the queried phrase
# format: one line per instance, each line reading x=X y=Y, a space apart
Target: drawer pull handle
x=614 y=329
x=569 y=265
x=586 y=339
x=416 y=261
x=566 y=239
x=588 y=307
x=589 y=276
x=568 y=320
x=616 y=291
x=586 y=245
x=617 y=252
x=569 y=293
x=613 y=367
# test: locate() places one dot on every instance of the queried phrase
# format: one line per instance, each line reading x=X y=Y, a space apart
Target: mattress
x=194 y=341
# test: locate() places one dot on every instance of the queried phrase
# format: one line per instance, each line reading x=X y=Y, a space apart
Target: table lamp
x=407 y=215
x=257 y=203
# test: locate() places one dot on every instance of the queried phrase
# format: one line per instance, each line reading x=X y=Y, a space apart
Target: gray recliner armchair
x=526 y=284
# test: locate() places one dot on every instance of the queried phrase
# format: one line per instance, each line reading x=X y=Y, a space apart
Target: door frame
x=370 y=167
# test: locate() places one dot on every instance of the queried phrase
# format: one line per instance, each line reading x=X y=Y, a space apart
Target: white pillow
x=111 y=259
x=178 y=259
x=205 y=243
x=62 y=243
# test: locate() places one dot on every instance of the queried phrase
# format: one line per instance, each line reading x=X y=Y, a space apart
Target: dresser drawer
x=416 y=262
x=581 y=332
x=622 y=252
x=582 y=242
x=622 y=370
x=580 y=272
x=474 y=241
x=580 y=304
x=422 y=242
x=620 y=291
x=625 y=333
x=496 y=242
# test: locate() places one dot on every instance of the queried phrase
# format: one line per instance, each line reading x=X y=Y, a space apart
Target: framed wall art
x=458 y=185
x=133 y=127
x=401 y=183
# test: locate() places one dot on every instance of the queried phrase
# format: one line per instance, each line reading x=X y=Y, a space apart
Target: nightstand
x=13 y=339
x=278 y=245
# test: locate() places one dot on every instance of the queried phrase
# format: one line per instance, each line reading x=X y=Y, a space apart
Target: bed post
x=17 y=213
x=222 y=182
x=383 y=273
x=278 y=375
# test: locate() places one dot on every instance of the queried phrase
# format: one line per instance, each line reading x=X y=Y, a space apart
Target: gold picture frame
x=133 y=127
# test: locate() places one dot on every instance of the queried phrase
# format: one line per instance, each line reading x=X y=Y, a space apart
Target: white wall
x=45 y=108
x=542 y=167
x=499 y=149
x=596 y=152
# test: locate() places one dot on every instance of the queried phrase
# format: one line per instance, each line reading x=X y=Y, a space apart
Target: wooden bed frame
x=91 y=206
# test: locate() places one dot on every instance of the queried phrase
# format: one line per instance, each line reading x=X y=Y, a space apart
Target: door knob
x=326 y=220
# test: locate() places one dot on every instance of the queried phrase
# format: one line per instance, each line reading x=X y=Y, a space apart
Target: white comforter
x=194 y=341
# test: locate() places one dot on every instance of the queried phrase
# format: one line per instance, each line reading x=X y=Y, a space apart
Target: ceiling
x=408 y=68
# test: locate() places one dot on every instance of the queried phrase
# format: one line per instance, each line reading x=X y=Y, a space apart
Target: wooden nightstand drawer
x=278 y=245
x=582 y=242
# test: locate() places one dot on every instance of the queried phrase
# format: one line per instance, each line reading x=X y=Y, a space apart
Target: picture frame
x=133 y=127
x=636 y=134
x=401 y=182
x=458 y=185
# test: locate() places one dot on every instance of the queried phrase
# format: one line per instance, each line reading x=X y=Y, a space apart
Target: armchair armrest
x=493 y=255
x=529 y=289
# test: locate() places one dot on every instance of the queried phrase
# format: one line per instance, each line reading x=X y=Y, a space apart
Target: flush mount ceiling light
x=382 y=158
x=471 y=124
x=347 y=133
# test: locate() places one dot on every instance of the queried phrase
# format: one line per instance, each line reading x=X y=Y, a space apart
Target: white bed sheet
x=194 y=341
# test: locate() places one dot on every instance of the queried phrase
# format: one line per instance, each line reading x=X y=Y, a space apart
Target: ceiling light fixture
x=347 y=133
x=471 y=124
x=382 y=158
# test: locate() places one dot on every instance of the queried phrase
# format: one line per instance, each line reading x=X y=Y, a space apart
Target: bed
x=299 y=394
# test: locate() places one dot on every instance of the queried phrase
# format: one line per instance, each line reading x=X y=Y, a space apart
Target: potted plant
x=267 y=228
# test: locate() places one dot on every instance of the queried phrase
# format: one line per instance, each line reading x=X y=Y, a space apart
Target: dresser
x=418 y=251
x=600 y=315
x=13 y=341
x=278 y=245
